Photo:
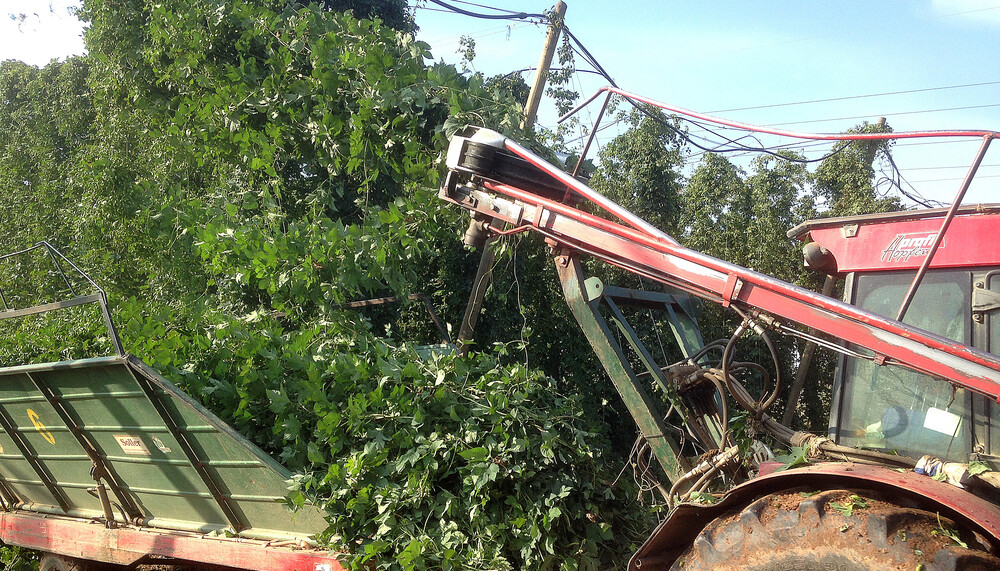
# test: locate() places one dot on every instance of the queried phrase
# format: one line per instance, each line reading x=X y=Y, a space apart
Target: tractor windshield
x=895 y=409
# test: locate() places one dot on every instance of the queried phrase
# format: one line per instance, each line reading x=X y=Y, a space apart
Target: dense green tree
x=242 y=168
x=640 y=169
x=743 y=219
x=397 y=14
x=47 y=119
x=845 y=179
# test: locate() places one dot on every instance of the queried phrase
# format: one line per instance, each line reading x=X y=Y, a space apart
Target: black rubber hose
x=727 y=356
x=777 y=371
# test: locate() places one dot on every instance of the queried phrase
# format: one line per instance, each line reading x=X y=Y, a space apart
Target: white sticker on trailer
x=159 y=444
x=132 y=445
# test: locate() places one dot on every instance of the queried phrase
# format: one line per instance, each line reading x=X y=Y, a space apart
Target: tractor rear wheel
x=835 y=529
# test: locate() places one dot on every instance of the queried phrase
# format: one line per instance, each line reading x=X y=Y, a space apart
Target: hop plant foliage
x=230 y=172
x=446 y=463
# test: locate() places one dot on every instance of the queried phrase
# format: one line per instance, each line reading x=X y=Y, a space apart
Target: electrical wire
x=921 y=143
x=897 y=114
x=485 y=6
x=603 y=128
x=589 y=57
x=965 y=167
x=508 y=16
x=954 y=179
x=915 y=196
x=592 y=61
x=849 y=97
x=520 y=71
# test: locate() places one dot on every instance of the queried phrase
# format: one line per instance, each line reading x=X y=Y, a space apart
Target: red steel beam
x=92 y=541
x=657 y=256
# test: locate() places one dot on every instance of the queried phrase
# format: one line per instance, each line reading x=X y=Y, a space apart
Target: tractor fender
x=687 y=520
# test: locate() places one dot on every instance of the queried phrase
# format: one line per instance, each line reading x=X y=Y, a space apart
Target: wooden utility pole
x=810 y=347
x=485 y=272
x=548 y=51
x=804 y=363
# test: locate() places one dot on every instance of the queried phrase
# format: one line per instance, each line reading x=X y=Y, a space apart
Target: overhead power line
x=485 y=6
x=918 y=143
x=972 y=11
x=954 y=179
x=884 y=115
x=848 y=97
x=966 y=167
x=506 y=15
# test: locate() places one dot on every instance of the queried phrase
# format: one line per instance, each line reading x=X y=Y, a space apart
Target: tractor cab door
x=893 y=409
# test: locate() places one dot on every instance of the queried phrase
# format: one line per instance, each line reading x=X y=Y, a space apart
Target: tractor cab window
x=893 y=409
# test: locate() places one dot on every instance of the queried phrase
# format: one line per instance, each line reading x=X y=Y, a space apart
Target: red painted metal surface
x=869 y=244
x=935 y=238
x=655 y=255
x=92 y=541
x=679 y=530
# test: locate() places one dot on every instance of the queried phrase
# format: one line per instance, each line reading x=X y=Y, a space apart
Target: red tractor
x=904 y=479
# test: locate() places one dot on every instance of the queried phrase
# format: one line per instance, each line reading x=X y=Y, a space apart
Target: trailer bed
x=104 y=459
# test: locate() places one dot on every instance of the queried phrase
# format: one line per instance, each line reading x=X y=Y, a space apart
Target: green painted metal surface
x=166 y=461
x=585 y=308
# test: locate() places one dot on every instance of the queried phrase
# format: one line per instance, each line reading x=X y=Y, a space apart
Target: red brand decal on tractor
x=906 y=246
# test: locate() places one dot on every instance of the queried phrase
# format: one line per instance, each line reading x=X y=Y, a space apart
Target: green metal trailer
x=103 y=461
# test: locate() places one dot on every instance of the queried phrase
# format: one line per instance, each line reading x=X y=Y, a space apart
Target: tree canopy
x=231 y=172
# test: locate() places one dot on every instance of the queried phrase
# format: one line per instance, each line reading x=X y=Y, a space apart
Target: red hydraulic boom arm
x=497 y=179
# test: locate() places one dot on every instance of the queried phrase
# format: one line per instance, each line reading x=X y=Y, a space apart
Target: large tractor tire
x=837 y=529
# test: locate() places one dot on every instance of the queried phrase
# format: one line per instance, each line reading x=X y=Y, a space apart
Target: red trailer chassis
x=89 y=540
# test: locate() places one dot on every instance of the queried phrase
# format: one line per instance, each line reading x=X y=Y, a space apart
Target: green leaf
x=798 y=457
x=976 y=468
x=703 y=498
x=474 y=454
x=845 y=508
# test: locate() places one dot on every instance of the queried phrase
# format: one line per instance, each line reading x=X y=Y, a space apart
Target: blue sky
x=713 y=56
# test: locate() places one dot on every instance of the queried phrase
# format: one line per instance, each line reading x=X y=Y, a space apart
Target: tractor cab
x=893 y=409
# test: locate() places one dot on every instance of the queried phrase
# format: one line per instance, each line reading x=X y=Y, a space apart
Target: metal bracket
x=580 y=293
x=595 y=288
x=732 y=290
x=985 y=300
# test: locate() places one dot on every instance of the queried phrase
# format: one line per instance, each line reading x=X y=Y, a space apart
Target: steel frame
x=100 y=297
x=587 y=298
x=649 y=252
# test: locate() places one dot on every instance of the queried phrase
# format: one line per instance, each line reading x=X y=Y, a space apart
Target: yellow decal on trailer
x=41 y=427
